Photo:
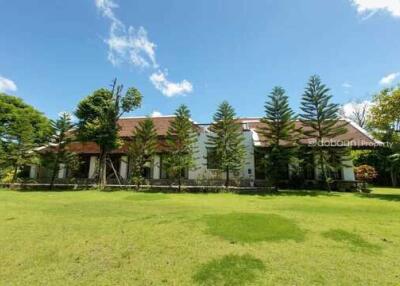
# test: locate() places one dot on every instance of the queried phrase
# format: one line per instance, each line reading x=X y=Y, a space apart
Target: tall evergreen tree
x=226 y=140
x=61 y=154
x=280 y=134
x=181 y=143
x=142 y=149
x=321 y=124
x=98 y=115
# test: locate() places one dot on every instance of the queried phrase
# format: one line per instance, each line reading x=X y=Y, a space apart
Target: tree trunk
x=179 y=181
x=323 y=170
x=103 y=170
x=393 y=176
x=227 y=178
x=55 y=170
x=14 y=177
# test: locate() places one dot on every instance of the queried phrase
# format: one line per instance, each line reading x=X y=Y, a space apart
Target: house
x=204 y=173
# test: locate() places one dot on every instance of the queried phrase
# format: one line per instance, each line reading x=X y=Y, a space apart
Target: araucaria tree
x=98 y=114
x=279 y=128
x=226 y=141
x=142 y=149
x=321 y=124
x=61 y=139
x=181 y=144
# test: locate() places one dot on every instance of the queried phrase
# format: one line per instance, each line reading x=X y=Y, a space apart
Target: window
x=146 y=173
x=336 y=174
x=211 y=160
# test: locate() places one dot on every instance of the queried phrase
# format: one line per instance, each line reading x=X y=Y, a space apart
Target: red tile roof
x=355 y=135
x=128 y=125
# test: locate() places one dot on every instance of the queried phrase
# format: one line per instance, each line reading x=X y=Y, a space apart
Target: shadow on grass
x=229 y=270
x=385 y=197
x=253 y=227
x=295 y=193
x=354 y=240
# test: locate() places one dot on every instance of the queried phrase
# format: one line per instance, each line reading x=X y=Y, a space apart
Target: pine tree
x=321 y=124
x=181 y=143
x=280 y=134
x=226 y=140
x=142 y=149
x=61 y=154
x=20 y=151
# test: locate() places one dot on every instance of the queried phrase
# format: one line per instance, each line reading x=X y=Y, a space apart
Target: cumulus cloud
x=389 y=79
x=156 y=113
x=7 y=85
x=168 y=88
x=373 y=6
x=133 y=46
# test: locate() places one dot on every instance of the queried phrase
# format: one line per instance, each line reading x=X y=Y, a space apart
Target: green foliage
x=378 y=158
x=98 y=115
x=226 y=140
x=142 y=148
x=181 y=143
x=250 y=227
x=385 y=112
x=229 y=270
x=59 y=153
x=385 y=121
x=321 y=124
x=22 y=128
x=279 y=128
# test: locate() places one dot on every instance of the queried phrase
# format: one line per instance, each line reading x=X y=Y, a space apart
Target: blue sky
x=53 y=53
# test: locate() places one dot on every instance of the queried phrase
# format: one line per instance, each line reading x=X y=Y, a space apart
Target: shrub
x=365 y=174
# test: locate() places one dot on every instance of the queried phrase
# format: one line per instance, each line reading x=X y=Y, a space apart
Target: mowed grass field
x=128 y=238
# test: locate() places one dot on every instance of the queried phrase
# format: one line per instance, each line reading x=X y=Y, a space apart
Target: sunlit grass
x=128 y=238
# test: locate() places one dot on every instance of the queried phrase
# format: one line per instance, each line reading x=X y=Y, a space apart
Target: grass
x=230 y=270
x=244 y=227
x=351 y=239
x=127 y=238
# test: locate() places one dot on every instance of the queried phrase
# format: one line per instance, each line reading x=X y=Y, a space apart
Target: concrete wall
x=201 y=172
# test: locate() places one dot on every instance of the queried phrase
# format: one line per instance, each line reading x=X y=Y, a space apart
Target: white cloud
x=346 y=85
x=7 y=85
x=156 y=113
x=133 y=46
x=373 y=6
x=388 y=79
x=169 y=89
x=349 y=108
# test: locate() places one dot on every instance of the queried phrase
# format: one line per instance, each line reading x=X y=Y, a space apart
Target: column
x=33 y=171
x=123 y=167
x=347 y=169
x=92 y=166
x=156 y=167
x=62 y=171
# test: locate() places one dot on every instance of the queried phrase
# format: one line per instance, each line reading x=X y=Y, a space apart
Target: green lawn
x=127 y=238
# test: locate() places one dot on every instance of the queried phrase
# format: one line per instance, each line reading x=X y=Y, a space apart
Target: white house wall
x=201 y=171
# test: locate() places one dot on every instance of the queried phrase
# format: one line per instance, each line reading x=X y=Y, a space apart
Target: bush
x=365 y=174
